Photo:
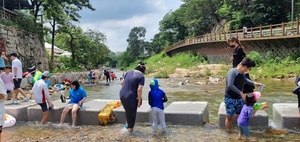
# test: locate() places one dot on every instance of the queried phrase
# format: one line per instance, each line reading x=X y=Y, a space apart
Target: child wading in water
x=156 y=98
x=246 y=113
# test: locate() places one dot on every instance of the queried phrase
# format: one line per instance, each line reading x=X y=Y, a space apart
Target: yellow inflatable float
x=106 y=116
x=9 y=121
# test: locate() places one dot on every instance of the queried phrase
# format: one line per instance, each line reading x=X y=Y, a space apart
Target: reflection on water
x=274 y=92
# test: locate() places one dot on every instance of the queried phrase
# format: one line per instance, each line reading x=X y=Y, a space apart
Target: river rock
x=52 y=80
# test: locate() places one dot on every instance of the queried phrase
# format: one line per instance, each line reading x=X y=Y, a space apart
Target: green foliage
x=274 y=67
x=165 y=65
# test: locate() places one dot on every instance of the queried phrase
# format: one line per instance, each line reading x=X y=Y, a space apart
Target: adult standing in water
x=131 y=93
x=234 y=96
x=237 y=57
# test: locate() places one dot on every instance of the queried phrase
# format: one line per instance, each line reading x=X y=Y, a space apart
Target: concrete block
x=59 y=79
x=286 y=115
x=88 y=114
x=34 y=113
x=260 y=119
x=19 y=111
x=187 y=113
x=143 y=113
x=24 y=83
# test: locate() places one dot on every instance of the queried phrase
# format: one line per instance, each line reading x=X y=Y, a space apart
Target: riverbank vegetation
x=195 y=65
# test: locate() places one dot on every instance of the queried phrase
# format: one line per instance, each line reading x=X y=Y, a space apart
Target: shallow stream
x=274 y=92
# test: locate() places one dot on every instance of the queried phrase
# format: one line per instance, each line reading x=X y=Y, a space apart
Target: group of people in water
x=107 y=75
x=239 y=98
x=239 y=95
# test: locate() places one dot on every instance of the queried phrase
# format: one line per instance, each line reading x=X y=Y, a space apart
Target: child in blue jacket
x=156 y=98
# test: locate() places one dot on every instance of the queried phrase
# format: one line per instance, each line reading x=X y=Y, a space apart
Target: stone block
x=24 y=83
x=260 y=119
x=59 y=79
x=187 y=113
x=34 y=113
x=88 y=114
x=143 y=113
x=52 y=80
x=19 y=111
x=286 y=115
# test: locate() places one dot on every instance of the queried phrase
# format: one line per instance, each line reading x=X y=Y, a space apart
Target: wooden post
x=210 y=36
x=297 y=28
x=215 y=36
x=271 y=31
x=283 y=29
x=251 y=32
x=260 y=29
x=220 y=36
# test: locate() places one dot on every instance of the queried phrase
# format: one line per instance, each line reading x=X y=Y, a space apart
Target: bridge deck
x=278 y=31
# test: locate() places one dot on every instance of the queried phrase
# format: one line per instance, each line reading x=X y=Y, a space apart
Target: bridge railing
x=277 y=30
x=7 y=14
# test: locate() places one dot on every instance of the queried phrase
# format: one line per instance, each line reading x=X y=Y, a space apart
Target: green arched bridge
x=281 y=39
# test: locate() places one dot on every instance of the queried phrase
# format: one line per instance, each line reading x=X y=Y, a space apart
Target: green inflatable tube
x=36 y=76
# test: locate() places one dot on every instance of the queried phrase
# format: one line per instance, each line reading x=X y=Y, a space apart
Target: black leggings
x=130 y=106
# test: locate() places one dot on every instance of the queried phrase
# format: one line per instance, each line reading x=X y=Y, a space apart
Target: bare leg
x=74 y=114
x=45 y=117
x=130 y=130
x=63 y=115
x=228 y=123
x=13 y=95
x=16 y=94
x=22 y=91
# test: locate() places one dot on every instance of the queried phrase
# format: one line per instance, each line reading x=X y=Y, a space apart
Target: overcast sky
x=116 y=18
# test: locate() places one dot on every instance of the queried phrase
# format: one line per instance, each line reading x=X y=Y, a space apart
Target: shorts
x=44 y=106
x=73 y=106
x=233 y=106
x=9 y=86
x=17 y=83
x=244 y=130
x=2 y=68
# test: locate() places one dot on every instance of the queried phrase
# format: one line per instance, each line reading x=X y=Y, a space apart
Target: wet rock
x=276 y=131
x=180 y=83
x=200 y=83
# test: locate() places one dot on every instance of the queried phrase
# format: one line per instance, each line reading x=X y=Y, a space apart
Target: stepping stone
x=34 y=113
x=88 y=113
x=187 y=113
x=143 y=113
x=286 y=115
x=260 y=118
x=19 y=111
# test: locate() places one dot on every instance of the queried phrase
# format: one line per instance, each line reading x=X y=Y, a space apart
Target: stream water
x=274 y=92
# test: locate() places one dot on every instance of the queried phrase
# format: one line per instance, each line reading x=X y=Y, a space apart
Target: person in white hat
x=41 y=95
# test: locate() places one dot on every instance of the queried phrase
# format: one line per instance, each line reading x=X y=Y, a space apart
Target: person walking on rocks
x=17 y=73
x=131 y=94
x=3 y=97
x=41 y=95
x=7 y=78
x=237 y=57
x=156 y=98
x=234 y=96
x=77 y=96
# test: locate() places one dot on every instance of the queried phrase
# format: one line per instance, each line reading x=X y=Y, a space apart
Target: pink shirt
x=7 y=78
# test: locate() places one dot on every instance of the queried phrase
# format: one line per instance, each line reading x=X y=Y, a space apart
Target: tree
x=136 y=42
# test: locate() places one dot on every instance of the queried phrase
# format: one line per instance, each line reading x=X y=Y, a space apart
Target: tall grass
x=271 y=66
x=163 y=65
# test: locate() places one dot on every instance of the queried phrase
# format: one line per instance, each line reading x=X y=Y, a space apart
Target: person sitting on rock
x=7 y=78
x=77 y=96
